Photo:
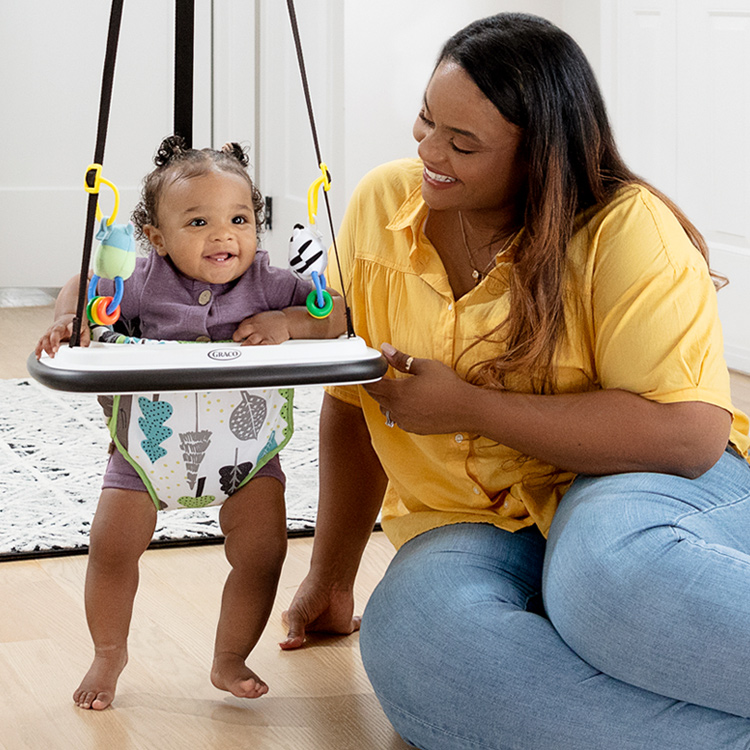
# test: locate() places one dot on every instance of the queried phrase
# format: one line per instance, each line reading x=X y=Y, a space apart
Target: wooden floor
x=319 y=697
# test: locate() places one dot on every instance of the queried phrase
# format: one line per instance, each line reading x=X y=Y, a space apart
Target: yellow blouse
x=641 y=316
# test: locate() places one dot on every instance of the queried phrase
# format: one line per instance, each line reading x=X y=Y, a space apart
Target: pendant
x=475 y=274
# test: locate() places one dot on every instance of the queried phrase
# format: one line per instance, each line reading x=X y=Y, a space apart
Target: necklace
x=476 y=273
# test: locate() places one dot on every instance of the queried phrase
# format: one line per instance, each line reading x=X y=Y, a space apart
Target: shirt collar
x=411 y=213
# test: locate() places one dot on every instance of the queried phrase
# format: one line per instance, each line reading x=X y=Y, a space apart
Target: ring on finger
x=407 y=366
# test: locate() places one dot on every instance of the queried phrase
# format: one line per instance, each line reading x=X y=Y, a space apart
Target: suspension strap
x=92 y=175
x=326 y=179
x=184 y=35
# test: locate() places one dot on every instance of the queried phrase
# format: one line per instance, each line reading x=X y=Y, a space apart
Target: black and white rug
x=53 y=452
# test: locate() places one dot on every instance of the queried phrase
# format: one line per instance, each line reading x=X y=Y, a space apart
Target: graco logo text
x=224 y=355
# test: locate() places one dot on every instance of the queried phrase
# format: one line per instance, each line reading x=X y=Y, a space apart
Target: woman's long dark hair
x=540 y=80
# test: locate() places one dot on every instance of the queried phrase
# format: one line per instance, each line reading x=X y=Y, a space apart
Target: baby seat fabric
x=193 y=449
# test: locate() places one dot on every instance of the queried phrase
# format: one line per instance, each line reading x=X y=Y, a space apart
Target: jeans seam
x=708 y=511
x=715 y=551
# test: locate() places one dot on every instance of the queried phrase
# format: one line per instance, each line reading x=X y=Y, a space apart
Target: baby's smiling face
x=206 y=225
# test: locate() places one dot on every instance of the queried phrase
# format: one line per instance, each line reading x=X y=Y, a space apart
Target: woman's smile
x=437 y=177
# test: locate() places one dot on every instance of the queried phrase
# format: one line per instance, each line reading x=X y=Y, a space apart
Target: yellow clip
x=312 y=193
x=326 y=176
x=98 y=180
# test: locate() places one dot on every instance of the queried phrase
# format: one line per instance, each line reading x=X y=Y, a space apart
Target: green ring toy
x=312 y=304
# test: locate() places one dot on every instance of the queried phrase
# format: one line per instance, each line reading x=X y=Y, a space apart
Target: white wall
x=390 y=51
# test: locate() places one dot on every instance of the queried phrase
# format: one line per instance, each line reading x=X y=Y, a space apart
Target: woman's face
x=471 y=153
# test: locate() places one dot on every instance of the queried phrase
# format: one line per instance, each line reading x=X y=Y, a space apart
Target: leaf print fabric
x=197 y=449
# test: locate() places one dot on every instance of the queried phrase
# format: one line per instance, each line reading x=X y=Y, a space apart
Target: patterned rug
x=53 y=451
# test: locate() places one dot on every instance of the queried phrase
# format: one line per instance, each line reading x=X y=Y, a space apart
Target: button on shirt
x=169 y=305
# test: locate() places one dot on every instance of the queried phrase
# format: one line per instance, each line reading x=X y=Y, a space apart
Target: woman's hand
x=433 y=400
x=316 y=608
x=60 y=331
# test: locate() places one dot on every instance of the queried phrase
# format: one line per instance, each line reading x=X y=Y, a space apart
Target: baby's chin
x=217 y=272
x=218 y=278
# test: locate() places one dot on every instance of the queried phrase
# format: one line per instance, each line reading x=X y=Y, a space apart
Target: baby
x=205 y=279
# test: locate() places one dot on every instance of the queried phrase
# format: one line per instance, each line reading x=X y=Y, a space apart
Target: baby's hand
x=271 y=327
x=61 y=330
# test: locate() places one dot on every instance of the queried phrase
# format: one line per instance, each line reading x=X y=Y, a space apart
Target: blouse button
x=205 y=297
x=476 y=490
x=459 y=438
x=203 y=339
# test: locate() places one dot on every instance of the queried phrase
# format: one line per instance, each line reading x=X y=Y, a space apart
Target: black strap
x=184 y=34
x=105 y=101
x=308 y=101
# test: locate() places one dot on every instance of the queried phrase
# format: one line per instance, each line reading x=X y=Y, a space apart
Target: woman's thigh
x=460 y=657
x=647 y=577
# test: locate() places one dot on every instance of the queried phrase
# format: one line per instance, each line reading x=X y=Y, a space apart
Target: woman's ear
x=155 y=238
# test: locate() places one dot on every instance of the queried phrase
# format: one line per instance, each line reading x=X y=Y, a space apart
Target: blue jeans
x=642 y=643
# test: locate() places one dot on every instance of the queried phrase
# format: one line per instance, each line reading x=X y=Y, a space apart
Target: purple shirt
x=173 y=306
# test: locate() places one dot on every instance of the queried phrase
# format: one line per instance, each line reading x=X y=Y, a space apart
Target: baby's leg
x=254 y=522
x=122 y=529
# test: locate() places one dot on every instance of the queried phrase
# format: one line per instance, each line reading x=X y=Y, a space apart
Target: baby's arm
x=62 y=328
x=276 y=326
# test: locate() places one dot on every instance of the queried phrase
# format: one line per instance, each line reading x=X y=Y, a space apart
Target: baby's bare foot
x=97 y=689
x=229 y=672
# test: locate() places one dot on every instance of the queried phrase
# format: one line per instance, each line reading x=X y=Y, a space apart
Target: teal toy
x=116 y=254
x=115 y=260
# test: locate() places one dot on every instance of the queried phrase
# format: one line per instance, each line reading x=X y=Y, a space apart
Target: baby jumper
x=195 y=449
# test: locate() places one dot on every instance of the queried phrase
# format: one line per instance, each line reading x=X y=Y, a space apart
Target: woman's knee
x=442 y=618
x=601 y=559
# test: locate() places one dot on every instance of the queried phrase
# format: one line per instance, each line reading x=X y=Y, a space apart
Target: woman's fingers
x=399 y=360
x=295 y=625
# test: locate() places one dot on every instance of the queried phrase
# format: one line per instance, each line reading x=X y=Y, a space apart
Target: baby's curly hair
x=175 y=161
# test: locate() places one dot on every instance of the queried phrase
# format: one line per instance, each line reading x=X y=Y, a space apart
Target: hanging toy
x=308 y=256
x=114 y=258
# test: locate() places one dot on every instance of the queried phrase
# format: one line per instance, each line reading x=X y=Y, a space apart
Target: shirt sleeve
x=282 y=287
x=655 y=315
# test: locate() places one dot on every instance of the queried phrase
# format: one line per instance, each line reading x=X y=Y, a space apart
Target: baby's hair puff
x=174 y=161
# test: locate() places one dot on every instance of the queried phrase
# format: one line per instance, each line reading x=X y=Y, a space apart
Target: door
x=679 y=93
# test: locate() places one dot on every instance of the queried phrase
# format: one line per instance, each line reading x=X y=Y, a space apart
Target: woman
x=557 y=372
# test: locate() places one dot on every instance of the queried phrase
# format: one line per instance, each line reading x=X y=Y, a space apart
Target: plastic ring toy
x=314 y=309
x=96 y=311
x=105 y=317
x=90 y=311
